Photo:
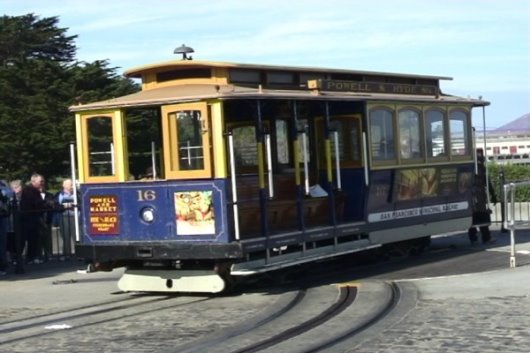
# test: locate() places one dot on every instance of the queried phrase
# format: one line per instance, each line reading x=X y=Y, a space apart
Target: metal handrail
x=232 y=161
x=73 y=170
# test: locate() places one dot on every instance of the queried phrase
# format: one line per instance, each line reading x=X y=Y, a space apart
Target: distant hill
x=519 y=124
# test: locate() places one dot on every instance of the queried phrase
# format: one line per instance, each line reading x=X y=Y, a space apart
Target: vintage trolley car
x=258 y=167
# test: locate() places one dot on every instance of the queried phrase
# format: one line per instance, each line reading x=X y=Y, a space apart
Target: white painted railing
x=513 y=220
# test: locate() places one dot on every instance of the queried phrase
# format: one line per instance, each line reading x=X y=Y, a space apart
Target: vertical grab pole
x=365 y=160
x=475 y=156
x=306 y=163
x=74 y=183
x=337 y=159
x=329 y=171
x=153 y=158
x=112 y=159
x=269 y=164
x=234 y=184
x=299 y=198
x=261 y=176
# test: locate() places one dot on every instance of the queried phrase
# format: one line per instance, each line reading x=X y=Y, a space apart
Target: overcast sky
x=483 y=44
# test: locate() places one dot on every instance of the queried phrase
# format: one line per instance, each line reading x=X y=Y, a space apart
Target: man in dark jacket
x=481 y=211
x=31 y=207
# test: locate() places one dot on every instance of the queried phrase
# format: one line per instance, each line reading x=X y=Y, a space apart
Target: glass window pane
x=435 y=133
x=355 y=140
x=245 y=146
x=349 y=139
x=382 y=134
x=302 y=125
x=100 y=146
x=409 y=134
x=459 y=133
x=282 y=142
x=189 y=135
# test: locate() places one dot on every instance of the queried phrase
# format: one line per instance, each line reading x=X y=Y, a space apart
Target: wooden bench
x=282 y=209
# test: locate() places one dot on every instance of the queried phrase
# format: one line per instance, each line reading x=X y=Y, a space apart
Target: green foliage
x=510 y=173
x=143 y=127
x=39 y=80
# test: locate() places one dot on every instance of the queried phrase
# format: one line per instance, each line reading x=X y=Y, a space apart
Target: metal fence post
x=503 y=200
x=510 y=224
x=509 y=210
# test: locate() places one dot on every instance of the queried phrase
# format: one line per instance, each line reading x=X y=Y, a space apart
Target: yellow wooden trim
x=148 y=80
x=119 y=131
x=165 y=139
x=81 y=170
x=219 y=76
x=118 y=137
x=182 y=82
x=261 y=166
x=218 y=140
x=171 y=156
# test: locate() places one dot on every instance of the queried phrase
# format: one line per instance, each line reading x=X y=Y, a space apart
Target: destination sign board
x=103 y=216
x=372 y=87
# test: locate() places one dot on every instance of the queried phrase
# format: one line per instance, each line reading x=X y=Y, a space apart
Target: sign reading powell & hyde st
x=372 y=87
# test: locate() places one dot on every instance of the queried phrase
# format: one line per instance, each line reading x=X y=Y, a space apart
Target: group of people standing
x=28 y=213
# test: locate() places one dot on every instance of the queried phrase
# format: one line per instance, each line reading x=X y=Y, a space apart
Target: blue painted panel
x=353 y=185
x=188 y=211
x=353 y=188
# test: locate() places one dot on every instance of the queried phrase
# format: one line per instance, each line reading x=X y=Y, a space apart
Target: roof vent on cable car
x=184 y=50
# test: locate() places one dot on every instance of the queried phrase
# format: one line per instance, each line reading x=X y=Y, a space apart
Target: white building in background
x=509 y=143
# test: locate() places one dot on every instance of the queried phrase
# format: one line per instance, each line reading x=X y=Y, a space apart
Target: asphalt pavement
x=479 y=311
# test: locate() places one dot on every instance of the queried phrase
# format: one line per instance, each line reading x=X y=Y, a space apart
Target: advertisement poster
x=415 y=184
x=194 y=213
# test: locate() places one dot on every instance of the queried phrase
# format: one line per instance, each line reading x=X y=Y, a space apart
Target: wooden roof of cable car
x=137 y=72
x=218 y=87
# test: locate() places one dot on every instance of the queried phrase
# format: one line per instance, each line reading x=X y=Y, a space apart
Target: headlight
x=148 y=214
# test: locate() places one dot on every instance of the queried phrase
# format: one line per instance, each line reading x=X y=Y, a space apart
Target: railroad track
x=14 y=331
x=309 y=320
x=312 y=319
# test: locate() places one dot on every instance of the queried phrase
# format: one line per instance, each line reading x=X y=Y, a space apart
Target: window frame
x=468 y=136
x=171 y=144
x=349 y=120
x=420 y=158
x=376 y=162
x=444 y=156
x=121 y=167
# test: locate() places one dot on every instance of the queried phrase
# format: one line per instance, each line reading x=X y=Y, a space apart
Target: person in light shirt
x=66 y=220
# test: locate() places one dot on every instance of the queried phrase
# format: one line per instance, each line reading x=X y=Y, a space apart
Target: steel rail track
x=346 y=298
x=84 y=316
x=349 y=334
x=280 y=308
